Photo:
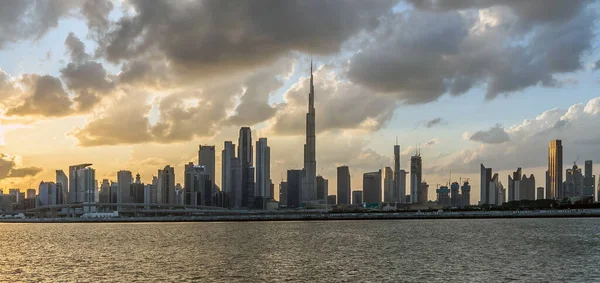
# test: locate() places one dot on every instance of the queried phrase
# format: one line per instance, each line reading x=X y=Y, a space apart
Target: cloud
x=88 y=79
x=527 y=144
x=254 y=104
x=419 y=55
x=596 y=65
x=214 y=37
x=123 y=122
x=339 y=105
x=30 y=19
x=9 y=167
x=96 y=13
x=45 y=96
x=434 y=122
x=496 y=134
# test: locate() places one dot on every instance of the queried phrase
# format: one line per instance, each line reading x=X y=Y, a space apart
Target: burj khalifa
x=309 y=190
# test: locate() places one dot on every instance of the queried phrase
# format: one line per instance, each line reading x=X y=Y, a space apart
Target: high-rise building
x=197 y=185
x=514 y=185
x=137 y=190
x=310 y=162
x=236 y=194
x=402 y=183
x=388 y=185
x=372 y=187
x=589 y=180
x=455 y=197
x=206 y=158
x=124 y=180
x=283 y=193
x=227 y=155
x=165 y=191
x=343 y=185
x=104 y=191
x=540 y=193
x=294 y=187
x=465 y=190
x=31 y=193
x=62 y=184
x=416 y=164
x=422 y=193
x=398 y=193
x=322 y=188
x=497 y=192
x=573 y=185
x=263 y=169
x=86 y=182
x=47 y=194
x=555 y=165
x=245 y=155
x=487 y=195
x=527 y=188
x=76 y=194
x=331 y=200
x=548 y=185
x=443 y=196
x=357 y=197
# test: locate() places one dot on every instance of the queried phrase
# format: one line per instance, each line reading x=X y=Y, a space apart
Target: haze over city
x=137 y=85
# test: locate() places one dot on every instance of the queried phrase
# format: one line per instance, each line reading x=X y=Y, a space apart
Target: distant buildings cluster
x=577 y=185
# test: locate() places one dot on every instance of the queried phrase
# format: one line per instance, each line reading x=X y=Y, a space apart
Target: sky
x=136 y=85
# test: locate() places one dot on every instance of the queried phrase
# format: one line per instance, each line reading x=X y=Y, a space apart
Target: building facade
x=555 y=168
x=372 y=187
x=415 y=177
x=343 y=185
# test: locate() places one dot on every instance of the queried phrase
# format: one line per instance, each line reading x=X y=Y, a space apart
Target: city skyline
x=141 y=122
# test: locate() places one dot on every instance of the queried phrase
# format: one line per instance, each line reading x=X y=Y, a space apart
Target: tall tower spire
x=309 y=191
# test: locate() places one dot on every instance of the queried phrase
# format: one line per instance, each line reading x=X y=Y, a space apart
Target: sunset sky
x=137 y=85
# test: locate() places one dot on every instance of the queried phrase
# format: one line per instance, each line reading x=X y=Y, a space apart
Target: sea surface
x=465 y=250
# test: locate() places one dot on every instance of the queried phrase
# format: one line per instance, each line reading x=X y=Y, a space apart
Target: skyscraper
x=165 y=192
x=372 y=187
x=455 y=197
x=76 y=194
x=283 y=193
x=343 y=185
x=573 y=185
x=402 y=191
x=422 y=193
x=62 y=184
x=555 y=165
x=236 y=195
x=465 y=190
x=388 y=185
x=227 y=156
x=124 y=180
x=310 y=162
x=86 y=183
x=527 y=188
x=245 y=156
x=206 y=158
x=487 y=196
x=47 y=193
x=263 y=169
x=514 y=183
x=415 y=177
x=322 y=188
x=589 y=180
x=540 y=193
x=443 y=196
x=398 y=194
x=197 y=185
x=357 y=197
x=294 y=187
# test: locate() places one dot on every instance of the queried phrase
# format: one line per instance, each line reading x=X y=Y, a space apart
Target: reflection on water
x=527 y=250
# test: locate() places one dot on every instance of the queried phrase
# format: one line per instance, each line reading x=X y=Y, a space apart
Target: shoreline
x=584 y=213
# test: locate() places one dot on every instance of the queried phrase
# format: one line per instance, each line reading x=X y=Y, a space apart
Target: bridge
x=133 y=209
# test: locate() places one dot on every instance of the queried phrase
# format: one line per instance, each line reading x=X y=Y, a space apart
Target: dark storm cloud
x=96 y=12
x=207 y=37
x=420 y=55
x=30 y=19
x=8 y=168
x=496 y=134
x=45 y=97
x=529 y=12
x=76 y=48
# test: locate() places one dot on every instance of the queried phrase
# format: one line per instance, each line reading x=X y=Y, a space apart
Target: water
x=491 y=250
